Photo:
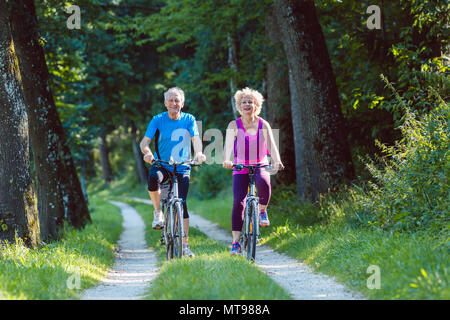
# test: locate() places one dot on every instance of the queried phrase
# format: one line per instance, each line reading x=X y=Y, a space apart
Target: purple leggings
x=240 y=188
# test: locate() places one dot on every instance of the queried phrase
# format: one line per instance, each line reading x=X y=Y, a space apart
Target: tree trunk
x=18 y=211
x=232 y=63
x=141 y=170
x=277 y=111
x=104 y=158
x=58 y=187
x=322 y=154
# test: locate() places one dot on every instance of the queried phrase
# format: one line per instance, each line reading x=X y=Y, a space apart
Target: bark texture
x=58 y=187
x=141 y=169
x=18 y=211
x=322 y=154
x=104 y=158
x=278 y=109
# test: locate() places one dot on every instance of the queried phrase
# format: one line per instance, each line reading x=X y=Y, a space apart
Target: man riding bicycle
x=173 y=132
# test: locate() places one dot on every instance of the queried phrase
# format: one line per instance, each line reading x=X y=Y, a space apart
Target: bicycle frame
x=169 y=203
x=251 y=208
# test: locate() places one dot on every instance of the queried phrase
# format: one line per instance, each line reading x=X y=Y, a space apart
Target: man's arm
x=198 y=149
x=145 y=149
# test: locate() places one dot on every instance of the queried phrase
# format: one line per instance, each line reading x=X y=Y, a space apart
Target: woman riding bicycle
x=251 y=139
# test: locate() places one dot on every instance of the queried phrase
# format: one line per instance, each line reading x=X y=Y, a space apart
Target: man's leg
x=183 y=188
x=155 y=177
x=155 y=196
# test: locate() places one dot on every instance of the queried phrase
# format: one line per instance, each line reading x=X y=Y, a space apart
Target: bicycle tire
x=167 y=235
x=252 y=232
x=178 y=231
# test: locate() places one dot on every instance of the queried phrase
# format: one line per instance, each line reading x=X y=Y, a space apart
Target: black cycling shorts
x=159 y=175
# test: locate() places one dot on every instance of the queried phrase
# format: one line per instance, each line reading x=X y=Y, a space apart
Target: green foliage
x=209 y=180
x=410 y=50
x=285 y=208
x=410 y=191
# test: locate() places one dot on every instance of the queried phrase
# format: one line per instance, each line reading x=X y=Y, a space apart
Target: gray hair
x=174 y=90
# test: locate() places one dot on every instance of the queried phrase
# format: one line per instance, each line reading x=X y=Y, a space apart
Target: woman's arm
x=271 y=145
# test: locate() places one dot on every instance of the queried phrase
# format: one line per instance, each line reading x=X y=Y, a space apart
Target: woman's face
x=248 y=105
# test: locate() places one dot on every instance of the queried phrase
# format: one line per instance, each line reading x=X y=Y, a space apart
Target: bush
x=209 y=180
x=410 y=191
x=286 y=206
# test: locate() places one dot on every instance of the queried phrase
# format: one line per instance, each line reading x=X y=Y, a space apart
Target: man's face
x=174 y=103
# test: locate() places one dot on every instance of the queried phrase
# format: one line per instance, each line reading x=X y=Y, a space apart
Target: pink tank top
x=249 y=149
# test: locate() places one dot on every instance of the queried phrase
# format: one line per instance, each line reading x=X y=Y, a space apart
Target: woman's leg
x=240 y=186
x=262 y=180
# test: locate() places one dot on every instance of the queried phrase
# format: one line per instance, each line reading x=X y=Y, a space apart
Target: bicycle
x=172 y=206
x=249 y=237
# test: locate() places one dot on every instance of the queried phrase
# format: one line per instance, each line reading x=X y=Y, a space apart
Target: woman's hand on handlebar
x=278 y=166
x=199 y=158
x=227 y=164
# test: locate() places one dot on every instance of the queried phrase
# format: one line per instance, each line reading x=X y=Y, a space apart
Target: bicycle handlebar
x=239 y=167
x=190 y=163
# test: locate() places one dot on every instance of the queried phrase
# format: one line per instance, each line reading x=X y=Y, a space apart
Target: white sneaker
x=187 y=251
x=158 y=220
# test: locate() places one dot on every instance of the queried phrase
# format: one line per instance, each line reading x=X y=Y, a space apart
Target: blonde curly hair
x=257 y=97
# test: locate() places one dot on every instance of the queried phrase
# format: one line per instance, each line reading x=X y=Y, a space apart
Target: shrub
x=209 y=180
x=410 y=191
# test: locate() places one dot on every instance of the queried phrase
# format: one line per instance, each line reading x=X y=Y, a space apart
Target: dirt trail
x=295 y=277
x=135 y=264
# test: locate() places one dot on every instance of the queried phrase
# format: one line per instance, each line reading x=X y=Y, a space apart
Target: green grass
x=212 y=274
x=411 y=266
x=43 y=273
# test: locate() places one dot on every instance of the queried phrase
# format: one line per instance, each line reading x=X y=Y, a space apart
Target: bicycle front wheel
x=168 y=239
x=252 y=231
x=178 y=230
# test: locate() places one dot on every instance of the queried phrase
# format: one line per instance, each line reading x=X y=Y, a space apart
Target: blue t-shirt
x=174 y=137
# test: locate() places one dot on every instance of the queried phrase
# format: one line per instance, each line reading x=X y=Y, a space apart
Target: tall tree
x=58 y=187
x=18 y=211
x=323 y=157
x=277 y=111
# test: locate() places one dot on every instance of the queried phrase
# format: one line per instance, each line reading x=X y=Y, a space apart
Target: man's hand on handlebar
x=149 y=158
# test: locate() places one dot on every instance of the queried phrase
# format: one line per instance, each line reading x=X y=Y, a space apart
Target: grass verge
x=62 y=269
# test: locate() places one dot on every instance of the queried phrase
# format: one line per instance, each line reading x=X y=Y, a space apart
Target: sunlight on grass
x=212 y=274
x=44 y=273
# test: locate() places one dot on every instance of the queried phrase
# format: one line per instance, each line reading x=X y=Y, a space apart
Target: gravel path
x=295 y=277
x=135 y=264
